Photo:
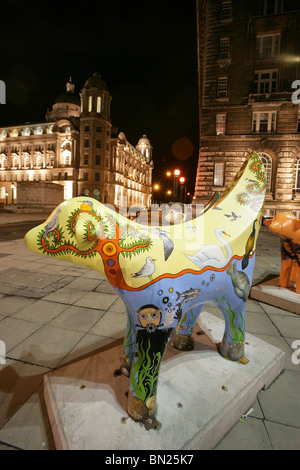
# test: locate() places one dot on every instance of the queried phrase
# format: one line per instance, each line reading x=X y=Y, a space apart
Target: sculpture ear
x=267 y=222
x=297 y=224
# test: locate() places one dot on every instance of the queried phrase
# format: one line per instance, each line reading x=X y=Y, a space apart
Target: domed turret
x=144 y=146
x=96 y=82
x=95 y=98
x=69 y=95
x=66 y=104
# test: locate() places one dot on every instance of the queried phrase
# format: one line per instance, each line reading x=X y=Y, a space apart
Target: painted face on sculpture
x=149 y=314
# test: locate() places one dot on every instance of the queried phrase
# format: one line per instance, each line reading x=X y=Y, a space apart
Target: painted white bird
x=147 y=270
x=213 y=255
x=168 y=243
x=52 y=224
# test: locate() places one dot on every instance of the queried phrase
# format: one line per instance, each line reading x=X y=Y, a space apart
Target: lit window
x=3 y=163
x=26 y=162
x=15 y=162
x=267 y=46
x=219 y=174
x=226 y=10
x=38 y=161
x=98 y=104
x=220 y=124
x=66 y=157
x=297 y=175
x=2 y=193
x=267 y=161
x=26 y=131
x=269 y=7
x=222 y=91
x=264 y=122
x=90 y=103
x=224 y=48
x=265 y=82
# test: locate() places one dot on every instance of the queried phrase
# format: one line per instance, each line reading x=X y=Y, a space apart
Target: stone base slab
x=270 y=293
x=201 y=395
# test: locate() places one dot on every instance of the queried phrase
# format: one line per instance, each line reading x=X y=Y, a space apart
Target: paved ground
x=52 y=312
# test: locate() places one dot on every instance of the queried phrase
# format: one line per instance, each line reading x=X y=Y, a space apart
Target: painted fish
x=240 y=282
x=188 y=295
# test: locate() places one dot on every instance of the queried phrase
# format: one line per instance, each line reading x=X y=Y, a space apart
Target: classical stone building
x=77 y=147
x=248 y=62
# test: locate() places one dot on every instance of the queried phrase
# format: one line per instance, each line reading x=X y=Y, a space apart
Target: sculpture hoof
x=234 y=352
x=140 y=410
x=125 y=367
x=184 y=342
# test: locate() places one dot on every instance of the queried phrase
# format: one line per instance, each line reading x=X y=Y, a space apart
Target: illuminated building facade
x=76 y=147
x=248 y=62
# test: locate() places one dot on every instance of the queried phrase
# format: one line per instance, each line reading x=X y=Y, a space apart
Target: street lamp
x=182 y=189
x=156 y=188
x=12 y=193
x=175 y=187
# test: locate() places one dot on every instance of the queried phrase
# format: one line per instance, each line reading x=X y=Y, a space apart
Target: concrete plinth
x=269 y=292
x=201 y=395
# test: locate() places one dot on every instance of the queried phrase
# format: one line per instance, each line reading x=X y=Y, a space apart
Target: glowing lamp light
x=182 y=180
x=168 y=173
x=156 y=186
x=176 y=172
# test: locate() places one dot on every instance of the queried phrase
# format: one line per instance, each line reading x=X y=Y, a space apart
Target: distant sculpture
x=287 y=226
x=165 y=274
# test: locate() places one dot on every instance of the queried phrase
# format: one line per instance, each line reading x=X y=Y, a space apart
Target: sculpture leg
x=129 y=345
x=183 y=339
x=150 y=349
x=294 y=271
x=285 y=272
x=297 y=278
x=232 y=345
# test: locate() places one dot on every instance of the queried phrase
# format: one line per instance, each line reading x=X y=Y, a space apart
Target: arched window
x=2 y=192
x=267 y=161
x=98 y=104
x=15 y=162
x=66 y=152
x=90 y=103
x=297 y=175
x=38 y=161
x=26 y=162
x=3 y=162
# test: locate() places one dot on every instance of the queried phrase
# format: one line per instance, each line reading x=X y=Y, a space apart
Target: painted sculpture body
x=287 y=226
x=165 y=274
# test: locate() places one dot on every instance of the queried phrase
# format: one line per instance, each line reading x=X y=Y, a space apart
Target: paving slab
x=270 y=293
x=200 y=392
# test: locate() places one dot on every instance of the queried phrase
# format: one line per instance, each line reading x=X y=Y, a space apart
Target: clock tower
x=95 y=139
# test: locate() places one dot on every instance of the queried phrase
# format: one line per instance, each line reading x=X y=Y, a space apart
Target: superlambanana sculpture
x=165 y=274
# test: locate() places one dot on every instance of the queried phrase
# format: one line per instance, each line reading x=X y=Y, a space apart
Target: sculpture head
x=286 y=225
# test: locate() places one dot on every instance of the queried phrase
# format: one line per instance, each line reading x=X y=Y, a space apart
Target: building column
x=284 y=178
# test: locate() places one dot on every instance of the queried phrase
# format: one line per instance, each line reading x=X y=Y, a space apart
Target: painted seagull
x=147 y=270
x=52 y=224
x=168 y=243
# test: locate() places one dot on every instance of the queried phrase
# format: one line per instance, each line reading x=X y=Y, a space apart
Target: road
x=16 y=230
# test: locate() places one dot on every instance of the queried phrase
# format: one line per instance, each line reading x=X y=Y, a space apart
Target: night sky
x=146 y=51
